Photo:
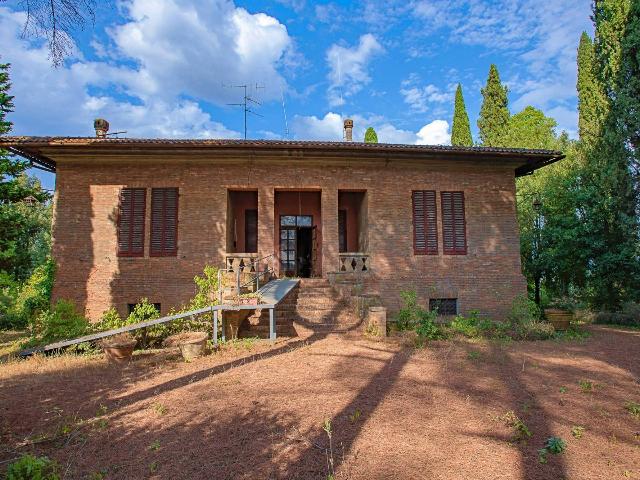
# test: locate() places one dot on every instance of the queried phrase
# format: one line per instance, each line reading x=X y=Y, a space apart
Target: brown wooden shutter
x=425 y=223
x=164 y=222
x=454 y=236
x=131 y=213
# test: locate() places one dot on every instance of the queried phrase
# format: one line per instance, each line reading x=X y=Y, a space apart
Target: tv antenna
x=286 y=124
x=247 y=102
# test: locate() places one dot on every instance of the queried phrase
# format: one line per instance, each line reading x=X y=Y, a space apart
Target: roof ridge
x=58 y=140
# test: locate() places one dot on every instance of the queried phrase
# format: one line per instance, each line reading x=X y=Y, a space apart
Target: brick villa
x=139 y=218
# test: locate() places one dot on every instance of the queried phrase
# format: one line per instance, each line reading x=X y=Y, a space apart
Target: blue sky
x=163 y=68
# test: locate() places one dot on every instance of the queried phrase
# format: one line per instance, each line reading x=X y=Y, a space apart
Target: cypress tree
x=461 y=130
x=494 y=113
x=628 y=95
x=370 y=136
x=609 y=198
x=591 y=98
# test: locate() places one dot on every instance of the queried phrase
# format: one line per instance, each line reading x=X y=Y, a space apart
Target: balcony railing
x=355 y=262
x=243 y=262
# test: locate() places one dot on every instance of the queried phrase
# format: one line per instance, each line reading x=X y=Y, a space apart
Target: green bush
x=533 y=330
x=523 y=311
x=29 y=467
x=409 y=315
x=9 y=289
x=207 y=288
x=31 y=299
x=61 y=322
x=629 y=316
x=427 y=329
x=413 y=317
x=142 y=311
x=475 y=326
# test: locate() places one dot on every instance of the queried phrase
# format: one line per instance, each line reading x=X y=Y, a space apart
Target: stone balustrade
x=354 y=262
x=244 y=262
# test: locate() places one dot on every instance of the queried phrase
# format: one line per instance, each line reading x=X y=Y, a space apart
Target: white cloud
x=194 y=48
x=434 y=133
x=419 y=97
x=157 y=92
x=349 y=68
x=330 y=127
x=313 y=128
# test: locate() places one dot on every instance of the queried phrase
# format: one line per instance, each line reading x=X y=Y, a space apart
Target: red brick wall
x=91 y=274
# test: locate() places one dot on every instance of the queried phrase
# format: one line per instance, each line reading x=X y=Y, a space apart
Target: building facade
x=140 y=218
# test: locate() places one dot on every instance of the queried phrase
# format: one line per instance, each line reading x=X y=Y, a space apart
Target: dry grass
x=256 y=410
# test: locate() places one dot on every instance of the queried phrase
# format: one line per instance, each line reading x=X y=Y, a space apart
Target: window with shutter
x=164 y=222
x=131 y=213
x=454 y=236
x=425 y=221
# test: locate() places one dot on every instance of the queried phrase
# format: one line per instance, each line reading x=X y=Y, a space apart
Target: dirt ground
x=256 y=411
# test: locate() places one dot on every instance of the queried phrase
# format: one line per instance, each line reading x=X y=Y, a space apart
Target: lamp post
x=537 y=226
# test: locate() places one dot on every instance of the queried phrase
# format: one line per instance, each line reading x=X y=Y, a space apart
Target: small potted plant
x=119 y=348
x=559 y=314
x=191 y=344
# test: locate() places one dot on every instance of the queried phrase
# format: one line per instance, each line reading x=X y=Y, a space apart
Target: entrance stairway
x=311 y=308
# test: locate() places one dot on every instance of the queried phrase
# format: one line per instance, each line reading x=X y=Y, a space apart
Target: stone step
x=337 y=317
x=320 y=305
x=317 y=292
x=325 y=329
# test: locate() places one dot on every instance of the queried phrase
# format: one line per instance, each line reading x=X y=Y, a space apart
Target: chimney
x=348 y=129
x=101 y=126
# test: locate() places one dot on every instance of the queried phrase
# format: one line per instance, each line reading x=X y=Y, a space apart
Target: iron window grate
x=444 y=306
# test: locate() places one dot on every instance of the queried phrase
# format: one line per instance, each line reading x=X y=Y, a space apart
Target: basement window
x=444 y=306
x=132 y=306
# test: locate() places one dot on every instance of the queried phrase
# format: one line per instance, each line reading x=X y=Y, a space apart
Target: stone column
x=329 y=202
x=266 y=244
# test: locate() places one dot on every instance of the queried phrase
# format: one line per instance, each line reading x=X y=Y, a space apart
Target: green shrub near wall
x=32 y=298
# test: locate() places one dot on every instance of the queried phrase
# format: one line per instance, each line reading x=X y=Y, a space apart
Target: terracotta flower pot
x=192 y=344
x=119 y=349
x=560 y=319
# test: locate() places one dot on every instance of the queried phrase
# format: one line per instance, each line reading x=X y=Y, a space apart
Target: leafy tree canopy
x=530 y=128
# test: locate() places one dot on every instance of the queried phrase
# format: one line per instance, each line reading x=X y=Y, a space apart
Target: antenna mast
x=247 y=101
x=284 y=111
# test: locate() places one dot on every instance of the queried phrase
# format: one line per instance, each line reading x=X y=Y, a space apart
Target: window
x=425 y=230
x=164 y=222
x=131 y=222
x=342 y=231
x=454 y=237
x=296 y=221
x=131 y=307
x=288 y=249
x=251 y=231
x=444 y=306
